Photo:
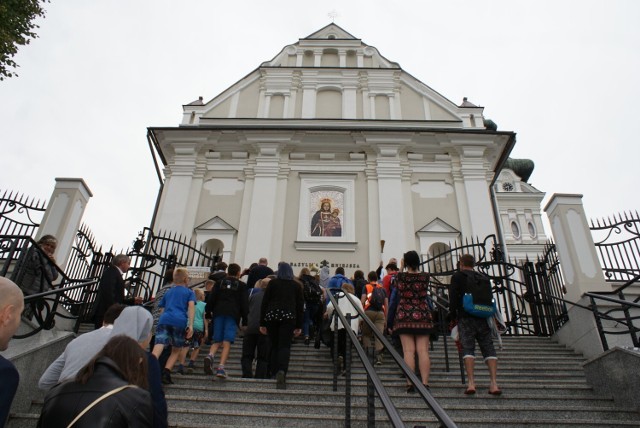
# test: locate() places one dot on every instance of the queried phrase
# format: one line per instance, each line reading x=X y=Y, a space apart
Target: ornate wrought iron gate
x=524 y=290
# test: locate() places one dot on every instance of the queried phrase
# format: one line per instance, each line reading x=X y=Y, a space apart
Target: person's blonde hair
x=199 y=293
x=180 y=275
x=263 y=283
x=348 y=288
x=304 y=271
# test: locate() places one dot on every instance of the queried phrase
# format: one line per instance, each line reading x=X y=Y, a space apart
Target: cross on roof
x=333 y=15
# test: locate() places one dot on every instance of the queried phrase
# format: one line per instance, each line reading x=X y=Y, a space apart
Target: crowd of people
x=115 y=373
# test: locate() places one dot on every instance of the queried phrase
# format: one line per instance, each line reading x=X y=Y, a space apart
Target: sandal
x=411 y=389
x=496 y=392
x=470 y=391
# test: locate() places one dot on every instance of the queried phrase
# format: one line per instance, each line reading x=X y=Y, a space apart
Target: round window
x=515 y=229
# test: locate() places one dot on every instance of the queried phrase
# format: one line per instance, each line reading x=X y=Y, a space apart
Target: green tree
x=16 y=29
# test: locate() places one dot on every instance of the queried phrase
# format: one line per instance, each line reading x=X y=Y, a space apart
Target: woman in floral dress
x=411 y=318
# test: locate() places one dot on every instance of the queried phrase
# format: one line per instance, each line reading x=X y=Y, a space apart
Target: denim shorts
x=474 y=329
x=170 y=335
x=224 y=329
x=195 y=341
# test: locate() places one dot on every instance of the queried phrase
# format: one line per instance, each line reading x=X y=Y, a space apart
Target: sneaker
x=208 y=365
x=378 y=360
x=191 y=367
x=306 y=340
x=281 y=382
x=180 y=369
x=166 y=377
x=221 y=373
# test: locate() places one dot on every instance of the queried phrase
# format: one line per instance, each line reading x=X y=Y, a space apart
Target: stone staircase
x=543 y=384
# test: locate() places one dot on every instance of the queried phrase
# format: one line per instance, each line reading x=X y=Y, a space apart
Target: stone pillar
x=64 y=213
x=581 y=271
x=577 y=253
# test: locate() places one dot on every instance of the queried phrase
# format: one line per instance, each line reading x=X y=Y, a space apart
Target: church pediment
x=343 y=78
x=331 y=31
x=438 y=226
x=216 y=223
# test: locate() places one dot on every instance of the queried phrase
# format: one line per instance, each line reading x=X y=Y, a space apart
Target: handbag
x=97 y=400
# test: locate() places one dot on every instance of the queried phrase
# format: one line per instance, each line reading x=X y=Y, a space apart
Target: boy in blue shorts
x=229 y=303
x=176 y=321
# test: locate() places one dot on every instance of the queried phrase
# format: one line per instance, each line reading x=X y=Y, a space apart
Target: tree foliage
x=16 y=29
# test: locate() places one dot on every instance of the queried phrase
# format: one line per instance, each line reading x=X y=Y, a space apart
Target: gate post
x=64 y=213
x=580 y=268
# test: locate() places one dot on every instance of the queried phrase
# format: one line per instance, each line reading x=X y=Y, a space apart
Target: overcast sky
x=563 y=75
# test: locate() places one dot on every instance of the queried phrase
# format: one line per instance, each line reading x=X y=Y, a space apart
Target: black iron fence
x=20 y=215
x=617 y=242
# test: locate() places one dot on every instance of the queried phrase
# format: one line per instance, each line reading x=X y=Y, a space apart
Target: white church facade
x=329 y=149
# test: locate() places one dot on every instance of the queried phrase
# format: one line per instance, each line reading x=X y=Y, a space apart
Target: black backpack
x=311 y=291
x=376 y=300
x=478 y=286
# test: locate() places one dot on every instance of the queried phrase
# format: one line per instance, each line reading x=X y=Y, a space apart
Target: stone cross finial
x=333 y=15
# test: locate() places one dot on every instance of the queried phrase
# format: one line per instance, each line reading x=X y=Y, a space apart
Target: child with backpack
x=200 y=331
x=375 y=303
x=229 y=303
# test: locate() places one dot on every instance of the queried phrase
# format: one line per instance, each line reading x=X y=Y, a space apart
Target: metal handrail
x=390 y=409
x=47 y=323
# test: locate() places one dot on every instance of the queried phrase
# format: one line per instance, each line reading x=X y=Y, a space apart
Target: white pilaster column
x=577 y=253
x=261 y=101
x=393 y=205
x=63 y=215
x=349 y=94
x=267 y=104
x=299 y=57
x=308 y=101
x=317 y=57
x=372 y=106
x=392 y=107
x=360 y=58
x=285 y=108
x=373 y=208
x=262 y=207
x=342 y=53
x=474 y=201
x=177 y=189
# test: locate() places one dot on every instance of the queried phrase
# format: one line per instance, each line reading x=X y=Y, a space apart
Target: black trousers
x=280 y=334
x=255 y=346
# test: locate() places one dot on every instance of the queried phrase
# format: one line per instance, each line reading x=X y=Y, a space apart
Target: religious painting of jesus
x=326 y=207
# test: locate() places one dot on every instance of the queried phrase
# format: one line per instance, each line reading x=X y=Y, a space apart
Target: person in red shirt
x=392 y=271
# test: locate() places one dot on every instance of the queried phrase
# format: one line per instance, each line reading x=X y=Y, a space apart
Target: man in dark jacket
x=259 y=272
x=111 y=288
x=229 y=303
x=472 y=328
